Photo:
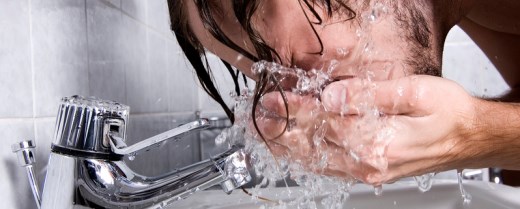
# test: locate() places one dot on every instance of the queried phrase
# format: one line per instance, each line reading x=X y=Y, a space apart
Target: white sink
x=402 y=195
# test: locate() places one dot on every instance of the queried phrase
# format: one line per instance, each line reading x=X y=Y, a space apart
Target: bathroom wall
x=119 y=50
x=123 y=50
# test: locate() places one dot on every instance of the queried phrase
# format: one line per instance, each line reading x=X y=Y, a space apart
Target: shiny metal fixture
x=86 y=167
x=25 y=153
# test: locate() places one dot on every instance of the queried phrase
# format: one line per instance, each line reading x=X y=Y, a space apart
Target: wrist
x=494 y=140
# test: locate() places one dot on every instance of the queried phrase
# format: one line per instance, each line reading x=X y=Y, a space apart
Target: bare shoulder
x=498 y=15
x=495 y=28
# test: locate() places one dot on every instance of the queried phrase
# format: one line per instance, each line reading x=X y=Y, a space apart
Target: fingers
x=339 y=161
x=311 y=158
x=341 y=96
x=400 y=96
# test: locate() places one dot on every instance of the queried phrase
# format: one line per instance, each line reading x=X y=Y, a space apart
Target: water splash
x=424 y=182
x=365 y=140
x=377 y=13
x=466 y=197
x=131 y=156
x=378 y=190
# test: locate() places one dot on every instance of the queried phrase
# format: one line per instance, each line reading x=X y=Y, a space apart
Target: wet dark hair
x=243 y=11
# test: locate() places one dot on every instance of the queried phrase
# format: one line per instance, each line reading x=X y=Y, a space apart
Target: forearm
x=495 y=141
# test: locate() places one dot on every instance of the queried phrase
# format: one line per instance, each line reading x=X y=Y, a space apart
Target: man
x=438 y=126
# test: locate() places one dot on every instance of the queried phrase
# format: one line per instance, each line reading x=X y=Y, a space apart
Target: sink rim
x=505 y=195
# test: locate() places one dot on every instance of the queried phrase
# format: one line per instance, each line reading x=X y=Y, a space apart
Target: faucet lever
x=118 y=146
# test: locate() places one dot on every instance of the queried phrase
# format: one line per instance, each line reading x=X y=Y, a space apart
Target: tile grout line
x=123 y=60
x=26 y=119
x=87 y=48
x=169 y=36
x=33 y=76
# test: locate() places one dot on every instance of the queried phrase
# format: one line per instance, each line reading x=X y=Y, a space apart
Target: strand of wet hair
x=311 y=24
x=244 y=11
x=234 y=76
x=210 y=24
x=203 y=73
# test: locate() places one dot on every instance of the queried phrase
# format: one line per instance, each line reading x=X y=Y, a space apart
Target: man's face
x=379 y=40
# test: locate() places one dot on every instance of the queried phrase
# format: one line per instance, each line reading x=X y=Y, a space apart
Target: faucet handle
x=118 y=145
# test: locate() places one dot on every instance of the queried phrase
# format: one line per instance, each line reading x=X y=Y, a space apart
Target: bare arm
x=496 y=138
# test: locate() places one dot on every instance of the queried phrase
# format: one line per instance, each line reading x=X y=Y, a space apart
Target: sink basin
x=402 y=195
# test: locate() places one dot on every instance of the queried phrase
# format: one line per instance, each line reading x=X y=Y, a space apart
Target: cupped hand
x=376 y=132
x=431 y=119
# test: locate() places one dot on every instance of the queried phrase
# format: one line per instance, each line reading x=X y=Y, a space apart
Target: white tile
x=457 y=35
x=158 y=17
x=157 y=96
x=182 y=81
x=147 y=82
x=135 y=9
x=60 y=52
x=468 y=66
x=223 y=82
x=108 y=82
x=135 y=64
x=110 y=3
x=105 y=34
x=15 y=189
x=15 y=60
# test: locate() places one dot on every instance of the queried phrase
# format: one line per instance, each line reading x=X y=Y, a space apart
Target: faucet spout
x=113 y=184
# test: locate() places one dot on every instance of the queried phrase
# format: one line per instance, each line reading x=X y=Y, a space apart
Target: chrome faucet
x=86 y=167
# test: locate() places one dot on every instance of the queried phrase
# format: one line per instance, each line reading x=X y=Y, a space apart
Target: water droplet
x=466 y=197
x=378 y=190
x=354 y=156
x=131 y=156
x=424 y=182
x=377 y=13
x=400 y=91
x=342 y=51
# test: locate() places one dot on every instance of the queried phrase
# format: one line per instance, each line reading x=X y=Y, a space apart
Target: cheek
x=336 y=41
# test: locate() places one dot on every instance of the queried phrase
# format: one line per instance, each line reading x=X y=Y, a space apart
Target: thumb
x=399 y=96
